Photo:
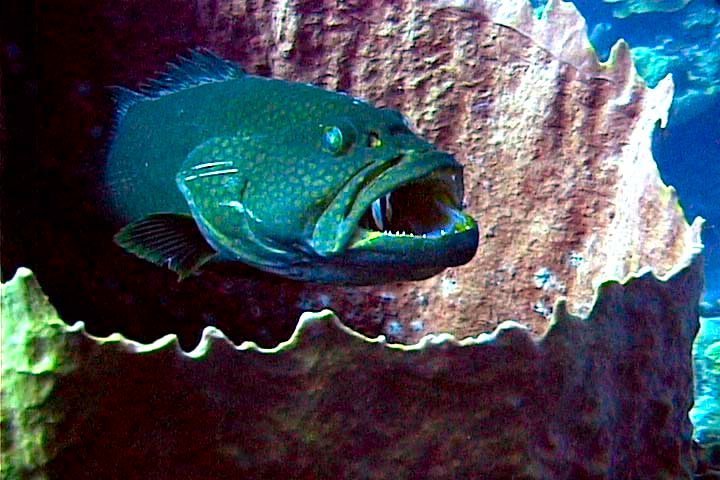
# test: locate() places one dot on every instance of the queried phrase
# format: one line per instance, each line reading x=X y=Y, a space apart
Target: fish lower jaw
x=366 y=239
x=364 y=234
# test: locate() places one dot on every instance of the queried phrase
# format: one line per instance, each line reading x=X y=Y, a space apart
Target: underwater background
x=63 y=232
x=684 y=41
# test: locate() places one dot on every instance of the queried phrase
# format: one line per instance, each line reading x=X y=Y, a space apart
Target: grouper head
x=323 y=187
x=212 y=164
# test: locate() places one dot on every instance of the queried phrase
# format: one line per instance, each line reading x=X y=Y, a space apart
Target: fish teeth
x=398 y=233
x=377 y=214
x=382 y=211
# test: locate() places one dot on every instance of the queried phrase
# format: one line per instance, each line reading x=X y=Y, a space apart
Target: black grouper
x=209 y=163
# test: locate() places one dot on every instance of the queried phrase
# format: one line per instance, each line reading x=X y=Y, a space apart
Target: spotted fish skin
x=209 y=163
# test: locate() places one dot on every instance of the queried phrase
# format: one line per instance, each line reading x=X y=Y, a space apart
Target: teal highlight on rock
x=211 y=164
x=705 y=413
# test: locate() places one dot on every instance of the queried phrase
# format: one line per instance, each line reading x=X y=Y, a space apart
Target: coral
x=693 y=55
x=604 y=397
x=625 y=8
x=685 y=44
x=705 y=414
x=34 y=345
x=556 y=148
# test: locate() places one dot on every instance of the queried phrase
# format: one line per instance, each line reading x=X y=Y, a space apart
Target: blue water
x=685 y=43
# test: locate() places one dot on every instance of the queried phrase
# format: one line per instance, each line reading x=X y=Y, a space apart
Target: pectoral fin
x=167 y=239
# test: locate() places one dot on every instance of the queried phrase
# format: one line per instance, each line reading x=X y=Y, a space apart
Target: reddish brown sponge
x=602 y=397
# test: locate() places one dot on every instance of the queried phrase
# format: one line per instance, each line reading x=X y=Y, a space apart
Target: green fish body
x=209 y=163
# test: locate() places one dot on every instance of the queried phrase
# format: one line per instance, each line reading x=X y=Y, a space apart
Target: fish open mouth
x=428 y=208
x=404 y=221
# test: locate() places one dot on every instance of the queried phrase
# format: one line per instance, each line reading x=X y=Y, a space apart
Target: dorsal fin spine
x=124 y=99
x=199 y=66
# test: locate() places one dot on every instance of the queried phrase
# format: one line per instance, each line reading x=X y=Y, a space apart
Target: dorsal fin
x=198 y=67
x=124 y=99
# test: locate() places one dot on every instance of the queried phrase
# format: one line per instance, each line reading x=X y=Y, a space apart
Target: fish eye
x=337 y=140
x=374 y=140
